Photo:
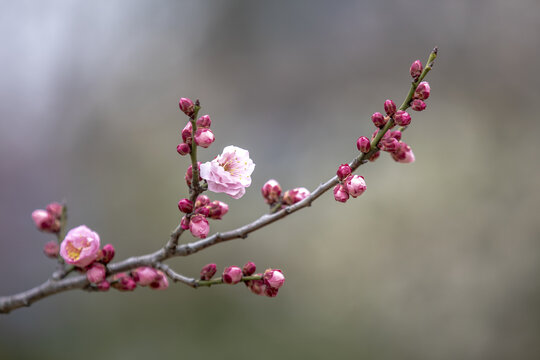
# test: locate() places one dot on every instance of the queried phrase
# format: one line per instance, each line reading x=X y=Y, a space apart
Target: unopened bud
x=202 y=200
x=422 y=91
x=183 y=149
x=418 y=105
x=249 y=268
x=396 y=134
x=185 y=206
x=270 y=291
x=271 y=191
x=45 y=221
x=356 y=185
x=217 y=209
x=107 y=253
x=378 y=119
x=204 y=137
x=232 y=275
x=55 y=209
x=340 y=193
x=204 y=121
x=257 y=286
x=96 y=273
x=295 y=195
x=389 y=107
x=208 y=271
x=343 y=171
x=123 y=282
x=203 y=210
x=402 y=118
x=104 y=286
x=145 y=275
x=416 y=69
x=184 y=223
x=388 y=144
x=161 y=283
x=187 y=131
x=189 y=173
x=273 y=278
x=187 y=106
x=403 y=154
x=363 y=144
x=51 y=249
x=198 y=225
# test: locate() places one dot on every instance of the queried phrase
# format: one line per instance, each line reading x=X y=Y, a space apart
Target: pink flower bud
x=187 y=131
x=187 y=106
x=273 y=278
x=416 y=69
x=340 y=193
x=51 y=249
x=375 y=156
x=204 y=137
x=217 y=209
x=202 y=200
x=123 y=282
x=162 y=283
x=422 y=91
x=295 y=195
x=183 y=149
x=249 y=269
x=107 y=254
x=389 y=107
x=96 y=273
x=403 y=154
x=396 y=134
x=343 y=171
x=232 y=275
x=257 y=286
x=378 y=119
x=271 y=191
x=402 y=118
x=356 y=185
x=145 y=275
x=418 y=105
x=204 y=211
x=189 y=173
x=55 y=209
x=388 y=143
x=363 y=144
x=208 y=271
x=80 y=247
x=198 y=225
x=45 y=222
x=270 y=291
x=185 y=206
x=104 y=286
x=204 y=121
x=184 y=223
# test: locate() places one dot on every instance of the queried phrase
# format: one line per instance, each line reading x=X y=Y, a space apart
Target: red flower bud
x=416 y=69
x=343 y=171
x=204 y=121
x=378 y=119
x=389 y=107
x=183 y=149
x=363 y=144
x=232 y=275
x=187 y=106
x=208 y=271
x=418 y=105
x=402 y=118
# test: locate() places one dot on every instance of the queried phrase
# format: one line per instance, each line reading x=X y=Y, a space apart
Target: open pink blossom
x=80 y=247
x=230 y=172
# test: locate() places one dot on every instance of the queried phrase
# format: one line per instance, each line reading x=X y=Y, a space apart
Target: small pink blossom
x=257 y=286
x=356 y=185
x=271 y=191
x=204 y=121
x=202 y=200
x=187 y=106
x=145 y=275
x=208 y=271
x=295 y=195
x=80 y=247
x=340 y=193
x=403 y=154
x=96 y=273
x=187 y=131
x=232 y=275
x=183 y=149
x=270 y=291
x=198 y=225
x=204 y=137
x=123 y=282
x=249 y=268
x=422 y=91
x=45 y=221
x=217 y=209
x=229 y=173
x=273 y=278
x=51 y=249
x=161 y=283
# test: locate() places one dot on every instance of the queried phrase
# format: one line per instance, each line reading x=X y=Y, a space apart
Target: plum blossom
x=230 y=172
x=80 y=247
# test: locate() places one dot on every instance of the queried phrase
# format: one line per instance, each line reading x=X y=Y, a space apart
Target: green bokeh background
x=439 y=259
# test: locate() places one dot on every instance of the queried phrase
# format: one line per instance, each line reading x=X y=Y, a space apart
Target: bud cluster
x=48 y=220
x=271 y=193
x=422 y=91
x=203 y=136
x=349 y=184
x=200 y=211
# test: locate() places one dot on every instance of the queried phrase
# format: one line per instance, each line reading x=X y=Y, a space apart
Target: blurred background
x=439 y=259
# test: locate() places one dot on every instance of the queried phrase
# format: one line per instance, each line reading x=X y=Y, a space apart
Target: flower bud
x=416 y=69
x=51 y=249
x=204 y=121
x=418 y=105
x=378 y=119
x=203 y=210
x=217 y=209
x=403 y=154
x=402 y=118
x=340 y=193
x=107 y=253
x=55 y=209
x=271 y=191
x=187 y=106
x=388 y=143
x=204 y=137
x=249 y=268
x=187 y=131
x=232 y=275
x=184 y=223
x=189 y=173
x=161 y=283
x=96 y=273
x=104 y=286
x=45 y=222
x=198 y=225
x=185 y=206
x=183 y=149
x=375 y=156
x=145 y=275
x=389 y=107
x=208 y=271
x=295 y=195
x=202 y=200
x=270 y=291
x=343 y=171
x=422 y=91
x=396 y=134
x=356 y=185
x=123 y=282
x=363 y=144
x=257 y=286
x=273 y=278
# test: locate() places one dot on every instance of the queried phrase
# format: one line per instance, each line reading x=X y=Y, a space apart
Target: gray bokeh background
x=437 y=260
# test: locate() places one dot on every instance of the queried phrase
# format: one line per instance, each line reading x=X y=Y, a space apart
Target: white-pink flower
x=230 y=172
